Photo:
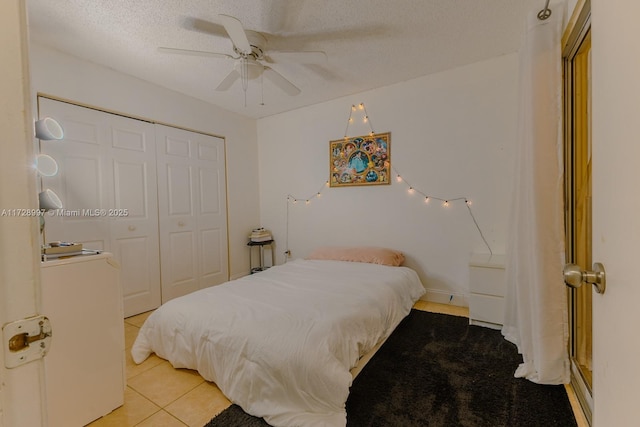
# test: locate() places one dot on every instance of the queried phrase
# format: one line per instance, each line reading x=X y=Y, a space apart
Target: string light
x=446 y=203
x=365 y=119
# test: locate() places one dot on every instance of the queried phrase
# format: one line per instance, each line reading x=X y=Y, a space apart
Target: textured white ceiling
x=369 y=43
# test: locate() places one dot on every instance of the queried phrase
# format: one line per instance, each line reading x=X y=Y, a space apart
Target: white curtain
x=536 y=302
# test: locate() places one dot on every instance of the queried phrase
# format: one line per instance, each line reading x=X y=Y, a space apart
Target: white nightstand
x=487 y=289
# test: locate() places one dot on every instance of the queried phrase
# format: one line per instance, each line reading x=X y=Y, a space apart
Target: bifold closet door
x=107 y=184
x=192 y=211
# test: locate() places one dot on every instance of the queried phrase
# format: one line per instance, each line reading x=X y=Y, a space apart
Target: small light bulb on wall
x=318 y=195
x=410 y=190
x=426 y=199
x=365 y=119
x=353 y=108
x=306 y=202
x=399 y=178
x=445 y=204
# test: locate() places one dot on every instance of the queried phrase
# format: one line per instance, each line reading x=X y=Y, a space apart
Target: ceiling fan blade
x=279 y=80
x=236 y=33
x=228 y=81
x=194 y=53
x=204 y=26
x=305 y=57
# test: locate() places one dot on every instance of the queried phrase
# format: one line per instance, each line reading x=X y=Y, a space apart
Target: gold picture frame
x=360 y=160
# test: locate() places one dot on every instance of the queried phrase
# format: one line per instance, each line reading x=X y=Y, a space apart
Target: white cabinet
x=487 y=285
x=85 y=366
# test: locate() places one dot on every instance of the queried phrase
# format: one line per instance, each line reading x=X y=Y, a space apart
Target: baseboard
x=238 y=275
x=443 y=297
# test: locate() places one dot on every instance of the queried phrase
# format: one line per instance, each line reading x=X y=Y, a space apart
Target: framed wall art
x=360 y=160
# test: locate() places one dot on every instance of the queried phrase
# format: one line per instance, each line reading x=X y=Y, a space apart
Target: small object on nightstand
x=260 y=235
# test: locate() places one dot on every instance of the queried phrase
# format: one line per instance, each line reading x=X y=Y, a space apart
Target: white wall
x=452 y=134
x=67 y=77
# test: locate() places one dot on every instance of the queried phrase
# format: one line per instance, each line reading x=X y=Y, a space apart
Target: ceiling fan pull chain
x=244 y=73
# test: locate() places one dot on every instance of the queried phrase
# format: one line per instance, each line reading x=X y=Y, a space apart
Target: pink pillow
x=368 y=254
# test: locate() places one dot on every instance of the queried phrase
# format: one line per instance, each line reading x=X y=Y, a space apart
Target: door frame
x=576 y=30
x=22 y=397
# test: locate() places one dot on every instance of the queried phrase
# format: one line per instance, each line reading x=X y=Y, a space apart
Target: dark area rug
x=437 y=370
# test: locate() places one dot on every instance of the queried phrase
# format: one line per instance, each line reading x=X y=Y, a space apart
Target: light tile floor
x=157 y=395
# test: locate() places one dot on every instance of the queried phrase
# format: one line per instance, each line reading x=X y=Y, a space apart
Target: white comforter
x=280 y=343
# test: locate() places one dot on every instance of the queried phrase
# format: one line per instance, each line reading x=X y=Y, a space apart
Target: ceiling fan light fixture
x=249 y=65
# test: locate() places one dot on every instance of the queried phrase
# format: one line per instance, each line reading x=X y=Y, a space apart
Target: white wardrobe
x=153 y=195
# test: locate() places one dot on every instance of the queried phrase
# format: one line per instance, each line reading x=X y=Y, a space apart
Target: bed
x=281 y=344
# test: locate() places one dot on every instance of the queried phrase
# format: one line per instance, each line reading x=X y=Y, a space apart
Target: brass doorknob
x=574 y=276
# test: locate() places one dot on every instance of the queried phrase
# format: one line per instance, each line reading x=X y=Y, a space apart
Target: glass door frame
x=578 y=28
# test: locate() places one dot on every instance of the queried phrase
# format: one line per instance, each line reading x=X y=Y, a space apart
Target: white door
x=192 y=211
x=107 y=184
x=616 y=210
x=133 y=220
x=82 y=161
x=21 y=388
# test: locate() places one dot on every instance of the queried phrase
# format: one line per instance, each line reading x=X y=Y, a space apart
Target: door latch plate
x=26 y=340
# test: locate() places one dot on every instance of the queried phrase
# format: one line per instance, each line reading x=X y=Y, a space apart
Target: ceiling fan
x=250 y=48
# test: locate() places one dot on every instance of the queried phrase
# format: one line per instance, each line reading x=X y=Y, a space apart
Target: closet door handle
x=132 y=228
x=180 y=224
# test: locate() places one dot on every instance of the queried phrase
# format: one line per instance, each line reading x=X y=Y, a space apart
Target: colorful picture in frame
x=360 y=160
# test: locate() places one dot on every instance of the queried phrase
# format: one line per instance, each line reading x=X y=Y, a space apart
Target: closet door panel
x=212 y=224
x=107 y=184
x=211 y=244
x=210 y=202
x=80 y=181
x=192 y=199
x=212 y=205
x=179 y=191
x=183 y=275
x=176 y=191
x=153 y=195
x=134 y=212
x=136 y=267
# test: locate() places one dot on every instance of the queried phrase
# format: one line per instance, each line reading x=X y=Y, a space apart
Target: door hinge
x=26 y=340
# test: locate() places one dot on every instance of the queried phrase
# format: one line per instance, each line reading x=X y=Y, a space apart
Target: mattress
x=281 y=343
